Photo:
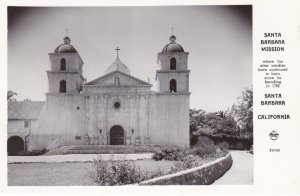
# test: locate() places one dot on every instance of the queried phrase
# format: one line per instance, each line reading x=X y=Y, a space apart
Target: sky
x=218 y=39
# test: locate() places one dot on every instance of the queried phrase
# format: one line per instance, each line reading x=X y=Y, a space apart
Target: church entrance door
x=116 y=135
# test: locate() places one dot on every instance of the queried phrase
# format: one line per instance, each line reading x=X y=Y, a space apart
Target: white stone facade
x=114 y=109
x=22 y=121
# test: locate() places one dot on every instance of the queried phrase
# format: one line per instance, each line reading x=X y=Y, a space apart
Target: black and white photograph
x=146 y=95
x=149 y=97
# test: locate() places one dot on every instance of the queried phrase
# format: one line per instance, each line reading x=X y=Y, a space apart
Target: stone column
x=128 y=135
x=147 y=139
x=106 y=131
x=138 y=138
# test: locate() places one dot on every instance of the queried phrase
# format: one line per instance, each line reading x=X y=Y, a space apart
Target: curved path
x=241 y=171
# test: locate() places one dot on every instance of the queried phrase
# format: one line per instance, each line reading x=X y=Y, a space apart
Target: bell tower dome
x=173 y=76
x=65 y=75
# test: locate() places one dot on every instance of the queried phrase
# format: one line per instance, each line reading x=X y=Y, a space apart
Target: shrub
x=153 y=174
x=116 y=172
x=204 y=140
x=120 y=172
x=33 y=153
x=179 y=154
x=158 y=156
x=204 y=150
x=188 y=162
x=170 y=153
x=223 y=145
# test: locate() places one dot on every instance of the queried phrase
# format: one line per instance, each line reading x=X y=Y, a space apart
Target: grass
x=79 y=173
x=103 y=149
x=65 y=174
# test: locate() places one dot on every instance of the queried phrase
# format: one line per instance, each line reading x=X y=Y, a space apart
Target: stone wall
x=72 y=75
x=17 y=128
x=181 y=74
x=202 y=175
x=169 y=119
x=73 y=61
x=152 y=118
x=60 y=121
x=181 y=60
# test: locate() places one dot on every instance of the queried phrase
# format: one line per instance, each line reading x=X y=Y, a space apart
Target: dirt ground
x=66 y=173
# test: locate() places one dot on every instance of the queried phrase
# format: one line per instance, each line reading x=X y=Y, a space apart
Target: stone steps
x=103 y=149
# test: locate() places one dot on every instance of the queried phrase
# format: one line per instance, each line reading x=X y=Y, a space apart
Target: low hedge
x=201 y=175
x=174 y=153
x=230 y=141
x=171 y=153
x=32 y=153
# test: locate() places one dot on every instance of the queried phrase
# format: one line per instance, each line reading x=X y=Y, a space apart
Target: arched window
x=117 y=81
x=63 y=64
x=172 y=64
x=62 y=86
x=173 y=85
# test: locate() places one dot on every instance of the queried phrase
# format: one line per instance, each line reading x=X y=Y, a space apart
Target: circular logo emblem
x=274 y=135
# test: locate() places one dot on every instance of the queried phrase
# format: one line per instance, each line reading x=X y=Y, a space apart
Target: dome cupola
x=172 y=46
x=66 y=47
x=67 y=40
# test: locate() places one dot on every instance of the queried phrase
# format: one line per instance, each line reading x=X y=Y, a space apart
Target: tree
x=10 y=95
x=197 y=119
x=222 y=114
x=236 y=122
x=220 y=122
x=243 y=111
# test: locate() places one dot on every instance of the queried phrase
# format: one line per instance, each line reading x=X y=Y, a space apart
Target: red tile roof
x=22 y=110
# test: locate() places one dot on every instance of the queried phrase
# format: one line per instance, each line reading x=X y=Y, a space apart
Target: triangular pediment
x=118 y=78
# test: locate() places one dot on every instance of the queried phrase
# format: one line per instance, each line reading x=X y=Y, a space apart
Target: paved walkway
x=241 y=171
x=75 y=158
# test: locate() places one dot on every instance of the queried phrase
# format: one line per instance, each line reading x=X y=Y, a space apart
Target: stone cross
x=117 y=49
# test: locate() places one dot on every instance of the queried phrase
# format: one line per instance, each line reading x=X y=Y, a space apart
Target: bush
x=179 y=154
x=204 y=140
x=116 y=172
x=204 y=150
x=171 y=153
x=33 y=153
x=120 y=172
x=195 y=157
x=223 y=145
x=188 y=162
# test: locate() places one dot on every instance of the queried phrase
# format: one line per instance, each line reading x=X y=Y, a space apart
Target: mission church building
x=116 y=108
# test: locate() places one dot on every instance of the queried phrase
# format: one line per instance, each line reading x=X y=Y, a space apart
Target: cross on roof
x=172 y=29
x=117 y=49
x=67 y=32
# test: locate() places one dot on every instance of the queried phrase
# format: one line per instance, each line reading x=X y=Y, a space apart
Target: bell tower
x=173 y=76
x=65 y=75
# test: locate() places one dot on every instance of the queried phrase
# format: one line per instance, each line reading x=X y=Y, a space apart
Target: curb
x=201 y=175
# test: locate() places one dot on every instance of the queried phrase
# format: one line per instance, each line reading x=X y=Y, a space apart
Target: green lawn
x=65 y=174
